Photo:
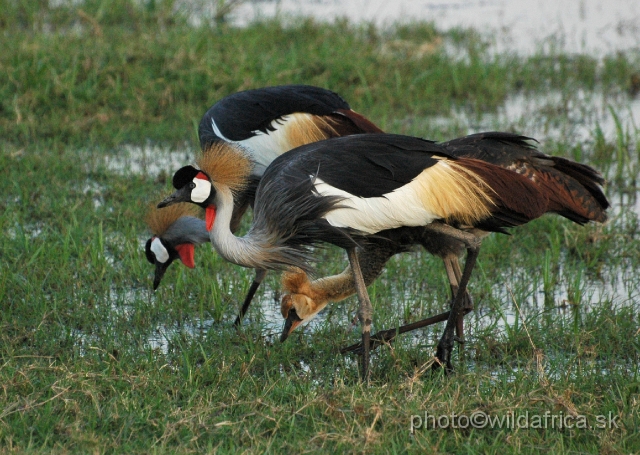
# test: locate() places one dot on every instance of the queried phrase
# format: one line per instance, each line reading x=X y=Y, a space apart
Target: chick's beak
x=292 y=321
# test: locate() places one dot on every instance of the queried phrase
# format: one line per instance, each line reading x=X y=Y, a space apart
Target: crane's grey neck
x=239 y=250
x=257 y=249
x=187 y=229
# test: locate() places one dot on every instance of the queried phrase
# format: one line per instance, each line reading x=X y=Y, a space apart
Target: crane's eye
x=192 y=185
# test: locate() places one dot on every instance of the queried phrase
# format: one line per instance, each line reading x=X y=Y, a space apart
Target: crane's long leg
x=260 y=274
x=454 y=279
x=445 y=346
x=452 y=266
x=455 y=275
x=388 y=335
x=365 y=311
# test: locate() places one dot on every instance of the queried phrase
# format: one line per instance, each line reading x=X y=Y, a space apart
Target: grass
x=91 y=360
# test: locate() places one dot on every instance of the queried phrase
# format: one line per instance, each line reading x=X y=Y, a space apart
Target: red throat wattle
x=210 y=216
x=186 y=252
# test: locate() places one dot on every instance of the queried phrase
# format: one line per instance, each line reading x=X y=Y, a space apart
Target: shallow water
x=150 y=159
x=586 y=26
x=621 y=289
x=578 y=115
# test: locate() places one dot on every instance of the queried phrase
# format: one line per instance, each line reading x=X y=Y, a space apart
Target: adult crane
x=573 y=190
x=347 y=190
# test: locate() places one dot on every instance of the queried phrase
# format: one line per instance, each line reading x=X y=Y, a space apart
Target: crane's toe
x=444 y=350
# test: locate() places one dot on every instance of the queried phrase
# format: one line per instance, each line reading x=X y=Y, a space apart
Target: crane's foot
x=444 y=350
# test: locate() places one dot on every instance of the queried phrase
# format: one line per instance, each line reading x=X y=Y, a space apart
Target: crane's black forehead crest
x=183 y=176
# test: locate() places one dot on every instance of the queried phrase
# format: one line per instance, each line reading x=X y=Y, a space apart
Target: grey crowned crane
x=572 y=190
x=265 y=123
x=346 y=191
x=175 y=232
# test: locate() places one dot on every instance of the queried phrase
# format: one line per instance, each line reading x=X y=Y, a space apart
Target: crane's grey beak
x=290 y=324
x=161 y=268
x=181 y=195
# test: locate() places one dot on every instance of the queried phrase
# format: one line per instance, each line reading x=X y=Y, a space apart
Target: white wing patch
x=445 y=190
x=401 y=207
x=217 y=131
x=266 y=147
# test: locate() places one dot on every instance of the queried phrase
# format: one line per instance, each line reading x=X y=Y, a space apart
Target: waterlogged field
x=99 y=104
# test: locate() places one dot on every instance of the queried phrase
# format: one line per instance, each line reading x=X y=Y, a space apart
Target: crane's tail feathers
x=572 y=190
x=581 y=185
x=517 y=200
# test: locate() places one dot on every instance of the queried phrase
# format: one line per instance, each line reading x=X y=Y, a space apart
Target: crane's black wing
x=494 y=147
x=364 y=165
x=237 y=116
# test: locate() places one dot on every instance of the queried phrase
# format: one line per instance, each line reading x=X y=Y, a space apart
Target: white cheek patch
x=202 y=190
x=162 y=255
